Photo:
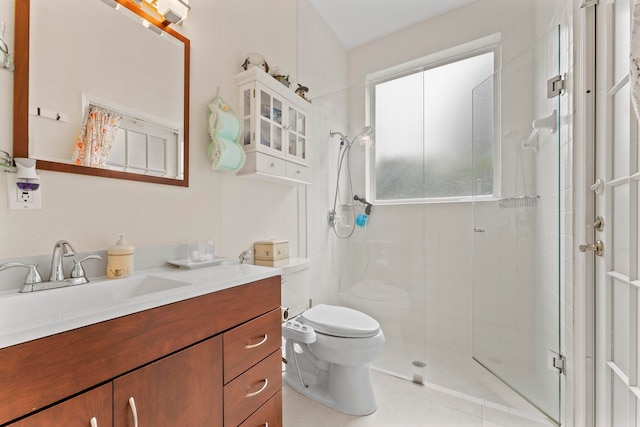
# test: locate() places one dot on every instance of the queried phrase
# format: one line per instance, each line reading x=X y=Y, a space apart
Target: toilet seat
x=340 y=321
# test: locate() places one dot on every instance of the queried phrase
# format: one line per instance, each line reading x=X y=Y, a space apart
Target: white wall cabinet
x=276 y=134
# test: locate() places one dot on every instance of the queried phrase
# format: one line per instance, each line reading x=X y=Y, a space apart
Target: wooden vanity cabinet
x=171 y=360
x=76 y=412
x=180 y=390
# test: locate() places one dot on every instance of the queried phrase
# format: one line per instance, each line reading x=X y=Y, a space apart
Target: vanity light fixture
x=112 y=3
x=174 y=11
x=166 y=11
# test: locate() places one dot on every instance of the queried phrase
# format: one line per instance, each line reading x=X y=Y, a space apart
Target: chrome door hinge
x=556 y=362
x=555 y=86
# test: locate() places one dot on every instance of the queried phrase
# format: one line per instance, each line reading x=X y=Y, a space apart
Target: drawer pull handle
x=134 y=411
x=258 y=344
x=255 y=393
x=273 y=164
x=93 y=422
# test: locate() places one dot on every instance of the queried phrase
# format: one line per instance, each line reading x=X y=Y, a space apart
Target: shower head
x=362 y=137
x=364 y=134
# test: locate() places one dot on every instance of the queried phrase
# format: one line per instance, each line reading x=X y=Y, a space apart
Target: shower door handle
x=598 y=247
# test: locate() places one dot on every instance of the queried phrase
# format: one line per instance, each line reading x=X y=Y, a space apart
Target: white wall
x=233 y=211
x=323 y=67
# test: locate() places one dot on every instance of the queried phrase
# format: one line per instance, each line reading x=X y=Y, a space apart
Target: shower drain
x=419 y=364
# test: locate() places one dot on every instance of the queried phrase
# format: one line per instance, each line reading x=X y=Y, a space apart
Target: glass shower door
x=516 y=253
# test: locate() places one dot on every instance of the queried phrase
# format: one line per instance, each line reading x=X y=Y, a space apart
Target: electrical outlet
x=20 y=199
x=25 y=196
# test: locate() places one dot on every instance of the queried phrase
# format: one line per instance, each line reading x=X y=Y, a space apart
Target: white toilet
x=328 y=350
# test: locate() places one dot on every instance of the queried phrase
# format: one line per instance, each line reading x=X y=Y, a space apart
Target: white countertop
x=28 y=316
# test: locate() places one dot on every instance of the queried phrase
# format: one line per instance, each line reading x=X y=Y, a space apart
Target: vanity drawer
x=244 y=395
x=298 y=172
x=269 y=414
x=249 y=343
x=270 y=165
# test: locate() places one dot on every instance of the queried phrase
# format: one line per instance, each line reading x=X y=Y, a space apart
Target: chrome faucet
x=245 y=256
x=61 y=249
x=33 y=281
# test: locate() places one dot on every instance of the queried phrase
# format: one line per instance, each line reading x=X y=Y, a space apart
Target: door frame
x=584 y=205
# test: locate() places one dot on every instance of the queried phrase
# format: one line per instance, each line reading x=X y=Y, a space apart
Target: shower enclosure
x=516 y=239
x=465 y=291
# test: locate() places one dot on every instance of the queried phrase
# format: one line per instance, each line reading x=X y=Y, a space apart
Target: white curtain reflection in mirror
x=95 y=138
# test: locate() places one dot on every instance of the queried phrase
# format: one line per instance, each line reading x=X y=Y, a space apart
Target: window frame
x=491 y=43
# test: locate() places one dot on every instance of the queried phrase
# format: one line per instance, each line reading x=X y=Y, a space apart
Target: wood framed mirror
x=60 y=74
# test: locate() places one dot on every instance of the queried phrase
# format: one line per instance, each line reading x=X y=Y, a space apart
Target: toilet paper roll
x=285 y=313
x=226 y=155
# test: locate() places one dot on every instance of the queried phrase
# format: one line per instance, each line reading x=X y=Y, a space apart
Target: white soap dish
x=185 y=263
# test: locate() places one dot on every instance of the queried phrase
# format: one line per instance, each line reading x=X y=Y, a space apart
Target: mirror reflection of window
x=145 y=148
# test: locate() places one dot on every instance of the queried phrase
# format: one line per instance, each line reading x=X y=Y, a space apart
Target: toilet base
x=348 y=389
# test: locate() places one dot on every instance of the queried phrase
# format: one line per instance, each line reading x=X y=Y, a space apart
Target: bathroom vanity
x=213 y=359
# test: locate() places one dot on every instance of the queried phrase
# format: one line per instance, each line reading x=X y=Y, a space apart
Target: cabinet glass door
x=246 y=114
x=270 y=121
x=297 y=135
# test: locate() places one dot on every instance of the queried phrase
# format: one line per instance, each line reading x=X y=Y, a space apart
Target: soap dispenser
x=120 y=259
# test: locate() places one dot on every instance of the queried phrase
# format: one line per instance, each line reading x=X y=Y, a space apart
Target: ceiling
x=357 y=22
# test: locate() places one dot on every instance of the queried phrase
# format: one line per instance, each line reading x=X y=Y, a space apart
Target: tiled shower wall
x=432 y=245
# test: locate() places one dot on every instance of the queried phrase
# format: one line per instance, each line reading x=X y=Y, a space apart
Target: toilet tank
x=296 y=285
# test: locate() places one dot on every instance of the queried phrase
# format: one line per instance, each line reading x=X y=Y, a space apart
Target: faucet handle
x=78 y=271
x=32 y=277
x=245 y=256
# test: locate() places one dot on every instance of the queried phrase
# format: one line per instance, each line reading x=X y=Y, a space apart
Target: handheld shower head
x=364 y=134
x=362 y=137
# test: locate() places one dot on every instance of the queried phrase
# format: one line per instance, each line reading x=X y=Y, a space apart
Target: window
x=434 y=128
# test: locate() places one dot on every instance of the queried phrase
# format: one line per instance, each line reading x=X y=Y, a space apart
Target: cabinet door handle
x=258 y=344
x=266 y=381
x=134 y=411
x=93 y=422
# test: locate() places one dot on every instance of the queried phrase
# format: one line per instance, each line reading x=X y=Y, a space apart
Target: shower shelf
x=519 y=202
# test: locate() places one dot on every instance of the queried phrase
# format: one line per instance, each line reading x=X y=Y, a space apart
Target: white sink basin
x=56 y=304
x=32 y=315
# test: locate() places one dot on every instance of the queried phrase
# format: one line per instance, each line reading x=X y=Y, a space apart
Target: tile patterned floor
x=402 y=403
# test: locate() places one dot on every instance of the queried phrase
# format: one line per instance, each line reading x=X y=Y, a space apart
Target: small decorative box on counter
x=272 y=253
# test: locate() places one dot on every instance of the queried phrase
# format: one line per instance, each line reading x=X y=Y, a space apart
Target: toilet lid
x=340 y=321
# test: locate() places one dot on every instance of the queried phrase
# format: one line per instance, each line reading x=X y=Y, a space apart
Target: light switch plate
x=19 y=199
